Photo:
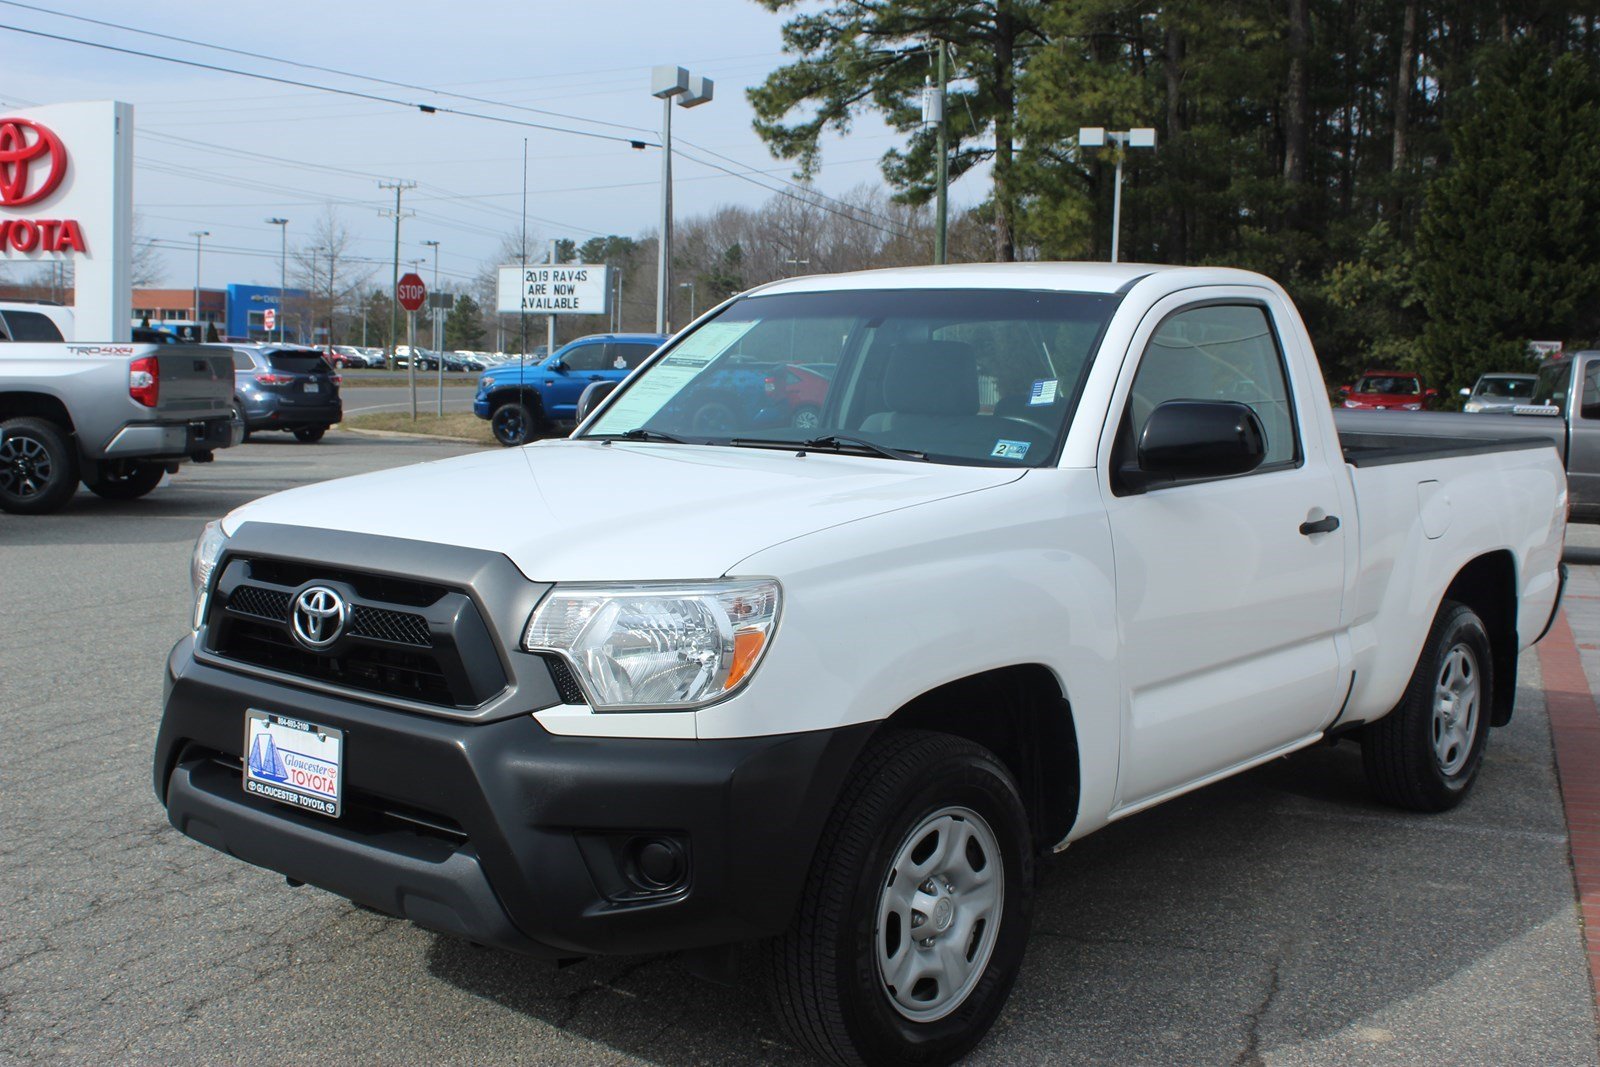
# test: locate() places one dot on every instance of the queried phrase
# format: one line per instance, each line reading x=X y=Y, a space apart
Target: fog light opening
x=655 y=864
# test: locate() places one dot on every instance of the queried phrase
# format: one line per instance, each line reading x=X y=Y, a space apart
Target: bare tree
x=331 y=278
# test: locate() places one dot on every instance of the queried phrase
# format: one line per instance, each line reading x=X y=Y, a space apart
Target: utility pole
x=942 y=206
x=399 y=187
x=283 y=271
x=433 y=298
x=198 y=236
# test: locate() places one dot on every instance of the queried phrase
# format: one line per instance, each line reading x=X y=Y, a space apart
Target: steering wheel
x=1046 y=431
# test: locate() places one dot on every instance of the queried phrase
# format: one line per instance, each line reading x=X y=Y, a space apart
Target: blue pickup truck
x=522 y=399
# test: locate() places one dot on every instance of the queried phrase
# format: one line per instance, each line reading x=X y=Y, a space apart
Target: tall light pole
x=692 y=90
x=436 y=346
x=689 y=286
x=1122 y=140
x=198 y=236
x=283 y=270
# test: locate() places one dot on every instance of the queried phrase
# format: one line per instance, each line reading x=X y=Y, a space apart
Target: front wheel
x=1425 y=754
x=309 y=434
x=512 y=424
x=806 y=417
x=915 y=915
x=127 y=481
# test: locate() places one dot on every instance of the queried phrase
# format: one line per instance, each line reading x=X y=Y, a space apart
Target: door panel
x=1227 y=612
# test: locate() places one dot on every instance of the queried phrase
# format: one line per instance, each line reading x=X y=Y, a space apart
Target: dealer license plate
x=310 y=387
x=294 y=762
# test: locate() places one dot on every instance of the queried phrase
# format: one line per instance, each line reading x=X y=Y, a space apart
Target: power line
x=427 y=109
x=810 y=201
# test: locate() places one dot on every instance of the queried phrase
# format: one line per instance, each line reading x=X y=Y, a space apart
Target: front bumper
x=505 y=834
x=173 y=441
x=480 y=406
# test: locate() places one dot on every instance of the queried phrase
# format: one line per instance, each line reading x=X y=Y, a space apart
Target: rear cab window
x=28 y=326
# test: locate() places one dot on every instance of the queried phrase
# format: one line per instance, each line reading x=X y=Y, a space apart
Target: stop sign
x=411 y=292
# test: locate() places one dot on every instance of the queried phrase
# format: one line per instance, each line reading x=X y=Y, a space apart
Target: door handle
x=1323 y=525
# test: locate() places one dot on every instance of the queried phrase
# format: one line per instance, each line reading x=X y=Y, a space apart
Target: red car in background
x=1394 y=390
x=798 y=390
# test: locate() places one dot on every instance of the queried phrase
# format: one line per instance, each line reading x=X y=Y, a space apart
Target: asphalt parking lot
x=1282 y=917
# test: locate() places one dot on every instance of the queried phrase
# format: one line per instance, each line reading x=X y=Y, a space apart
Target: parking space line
x=1575 y=733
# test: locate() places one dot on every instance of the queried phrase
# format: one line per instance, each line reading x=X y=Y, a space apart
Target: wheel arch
x=36 y=405
x=525 y=395
x=1488 y=585
x=1021 y=714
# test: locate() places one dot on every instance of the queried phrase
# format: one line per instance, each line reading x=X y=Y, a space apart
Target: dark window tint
x=242 y=361
x=587 y=357
x=1506 y=388
x=630 y=356
x=297 y=362
x=1551 y=389
x=31 y=326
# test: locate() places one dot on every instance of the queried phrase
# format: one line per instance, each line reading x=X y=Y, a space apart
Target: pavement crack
x=1250 y=1055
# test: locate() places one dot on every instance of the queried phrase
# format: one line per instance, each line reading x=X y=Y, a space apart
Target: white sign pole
x=411 y=361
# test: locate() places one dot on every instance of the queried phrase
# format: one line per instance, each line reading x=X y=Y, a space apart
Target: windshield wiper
x=837 y=442
x=639 y=434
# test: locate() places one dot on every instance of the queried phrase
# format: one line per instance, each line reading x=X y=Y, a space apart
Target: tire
x=830 y=975
x=806 y=417
x=1425 y=754
x=512 y=424
x=238 y=416
x=309 y=434
x=38 y=467
x=712 y=418
x=130 y=484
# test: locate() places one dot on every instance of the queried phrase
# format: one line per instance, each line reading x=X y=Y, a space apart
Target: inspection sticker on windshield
x=1010 y=450
x=1044 y=392
x=294 y=762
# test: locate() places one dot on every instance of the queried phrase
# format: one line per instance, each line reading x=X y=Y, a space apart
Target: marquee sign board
x=66 y=193
x=555 y=289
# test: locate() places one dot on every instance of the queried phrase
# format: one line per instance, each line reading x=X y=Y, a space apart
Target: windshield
x=961 y=376
x=1506 y=388
x=1392 y=384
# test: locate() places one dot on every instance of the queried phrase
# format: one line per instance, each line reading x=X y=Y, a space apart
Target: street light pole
x=433 y=297
x=1122 y=140
x=198 y=236
x=666 y=82
x=283 y=271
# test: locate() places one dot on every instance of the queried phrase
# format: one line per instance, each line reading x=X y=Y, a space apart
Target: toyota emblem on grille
x=319 y=617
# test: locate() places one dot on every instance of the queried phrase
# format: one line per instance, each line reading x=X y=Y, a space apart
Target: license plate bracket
x=294 y=762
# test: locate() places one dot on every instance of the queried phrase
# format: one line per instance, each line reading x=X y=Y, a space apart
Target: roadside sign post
x=411 y=292
x=269 y=319
x=440 y=303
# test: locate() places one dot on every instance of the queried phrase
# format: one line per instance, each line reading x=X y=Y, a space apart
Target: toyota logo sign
x=319 y=617
x=28 y=149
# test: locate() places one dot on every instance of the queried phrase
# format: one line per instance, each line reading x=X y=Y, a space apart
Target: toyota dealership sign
x=66 y=193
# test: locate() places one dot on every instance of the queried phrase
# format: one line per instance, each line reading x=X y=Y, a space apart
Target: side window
x=587 y=357
x=1220 y=352
x=1589 y=405
x=4 y=336
x=242 y=362
x=631 y=355
x=31 y=326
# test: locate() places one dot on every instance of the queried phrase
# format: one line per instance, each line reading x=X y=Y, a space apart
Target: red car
x=799 y=389
x=1395 y=390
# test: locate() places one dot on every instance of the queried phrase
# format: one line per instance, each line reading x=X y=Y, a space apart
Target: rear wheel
x=309 y=434
x=915 y=915
x=1425 y=754
x=126 y=481
x=806 y=417
x=38 y=467
x=512 y=424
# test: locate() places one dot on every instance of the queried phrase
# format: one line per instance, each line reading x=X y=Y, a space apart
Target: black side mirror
x=1187 y=439
x=559 y=366
x=591 y=396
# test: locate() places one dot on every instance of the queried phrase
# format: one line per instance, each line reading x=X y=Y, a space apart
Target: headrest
x=932 y=378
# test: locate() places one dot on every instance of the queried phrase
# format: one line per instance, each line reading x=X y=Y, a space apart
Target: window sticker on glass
x=1044 y=392
x=648 y=393
x=1010 y=450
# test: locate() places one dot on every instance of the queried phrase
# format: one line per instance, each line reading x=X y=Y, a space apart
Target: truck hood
x=585 y=511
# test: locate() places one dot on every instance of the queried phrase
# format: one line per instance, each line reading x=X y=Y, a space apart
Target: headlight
x=1472 y=407
x=207 y=551
x=672 y=647
x=485 y=384
x=1411 y=407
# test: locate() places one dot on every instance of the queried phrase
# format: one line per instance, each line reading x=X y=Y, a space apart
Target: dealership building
x=238 y=311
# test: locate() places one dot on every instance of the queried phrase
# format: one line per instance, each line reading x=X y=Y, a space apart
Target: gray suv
x=285 y=387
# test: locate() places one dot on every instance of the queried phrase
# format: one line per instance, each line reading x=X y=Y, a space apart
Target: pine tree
x=464 y=328
x=1509 y=246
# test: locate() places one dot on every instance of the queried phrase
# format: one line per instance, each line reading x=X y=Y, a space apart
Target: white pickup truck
x=1057 y=543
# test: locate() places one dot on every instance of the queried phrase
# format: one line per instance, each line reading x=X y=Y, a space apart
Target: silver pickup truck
x=115 y=417
x=1565 y=407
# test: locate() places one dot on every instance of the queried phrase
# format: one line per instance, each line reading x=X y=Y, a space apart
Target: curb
x=1575 y=735
x=411 y=436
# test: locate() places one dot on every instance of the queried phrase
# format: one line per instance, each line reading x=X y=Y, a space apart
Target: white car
x=1067 y=541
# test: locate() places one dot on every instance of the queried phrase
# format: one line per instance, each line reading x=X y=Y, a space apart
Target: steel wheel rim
x=25 y=466
x=938 y=915
x=1456 y=695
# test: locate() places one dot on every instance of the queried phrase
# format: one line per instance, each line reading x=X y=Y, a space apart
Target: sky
x=221 y=152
